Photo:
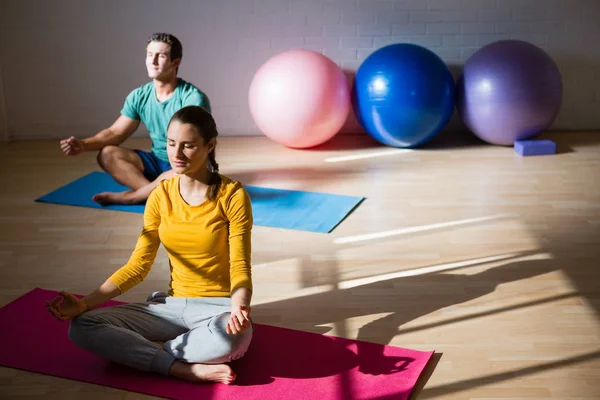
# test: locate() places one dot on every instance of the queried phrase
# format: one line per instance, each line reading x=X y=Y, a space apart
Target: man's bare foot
x=106 y=198
x=202 y=372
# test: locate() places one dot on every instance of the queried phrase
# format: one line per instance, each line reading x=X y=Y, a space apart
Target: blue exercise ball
x=403 y=95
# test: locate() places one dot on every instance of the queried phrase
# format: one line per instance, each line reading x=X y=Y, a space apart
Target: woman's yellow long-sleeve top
x=209 y=245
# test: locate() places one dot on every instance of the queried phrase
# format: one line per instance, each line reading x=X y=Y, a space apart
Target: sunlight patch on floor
x=437 y=268
x=423 y=228
x=363 y=156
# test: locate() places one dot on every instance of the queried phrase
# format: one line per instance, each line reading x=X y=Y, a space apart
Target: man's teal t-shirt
x=141 y=104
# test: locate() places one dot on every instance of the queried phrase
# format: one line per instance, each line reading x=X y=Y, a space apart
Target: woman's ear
x=212 y=143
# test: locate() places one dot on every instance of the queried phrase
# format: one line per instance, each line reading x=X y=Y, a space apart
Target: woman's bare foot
x=202 y=372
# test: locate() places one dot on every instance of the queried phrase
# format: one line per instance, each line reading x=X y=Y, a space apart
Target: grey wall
x=67 y=65
x=4 y=136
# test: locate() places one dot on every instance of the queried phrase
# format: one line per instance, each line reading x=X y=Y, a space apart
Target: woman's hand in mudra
x=239 y=320
x=65 y=306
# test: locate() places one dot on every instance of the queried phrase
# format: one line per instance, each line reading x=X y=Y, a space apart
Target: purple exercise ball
x=509 y=90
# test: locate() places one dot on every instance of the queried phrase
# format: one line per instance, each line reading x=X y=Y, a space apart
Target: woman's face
x=186 y=149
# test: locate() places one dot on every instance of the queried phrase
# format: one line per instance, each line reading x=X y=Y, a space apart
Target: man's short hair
x=172 y=41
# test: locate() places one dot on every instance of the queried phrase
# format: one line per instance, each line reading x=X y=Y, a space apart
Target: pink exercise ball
x=299 y=98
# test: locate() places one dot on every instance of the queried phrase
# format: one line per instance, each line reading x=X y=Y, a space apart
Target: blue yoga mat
x=278 y=208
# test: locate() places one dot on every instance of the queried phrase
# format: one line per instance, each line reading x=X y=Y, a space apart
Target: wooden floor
x=490 y=259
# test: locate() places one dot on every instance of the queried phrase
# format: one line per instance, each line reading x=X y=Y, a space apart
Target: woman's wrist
x=86 y=304
x=241 y=297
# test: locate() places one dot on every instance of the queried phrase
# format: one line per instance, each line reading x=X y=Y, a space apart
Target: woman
x=204 y=221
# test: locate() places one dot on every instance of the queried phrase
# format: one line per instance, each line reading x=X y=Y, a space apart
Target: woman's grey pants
x=193 y=330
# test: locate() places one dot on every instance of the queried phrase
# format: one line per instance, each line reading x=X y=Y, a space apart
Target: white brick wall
x=68 y=65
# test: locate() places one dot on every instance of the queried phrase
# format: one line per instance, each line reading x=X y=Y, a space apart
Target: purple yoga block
x=535 y=147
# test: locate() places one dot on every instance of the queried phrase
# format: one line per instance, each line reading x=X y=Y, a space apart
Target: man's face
x=158 y=61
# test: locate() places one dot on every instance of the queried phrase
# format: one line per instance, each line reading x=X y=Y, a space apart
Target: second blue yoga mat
x=278 y=208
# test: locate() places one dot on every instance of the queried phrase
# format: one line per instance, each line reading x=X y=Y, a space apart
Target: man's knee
x=107 y=155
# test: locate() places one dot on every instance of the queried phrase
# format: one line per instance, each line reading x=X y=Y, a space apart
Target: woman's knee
x=233 y=346
x=213 y=345
x=79 y=329
x=241 y=344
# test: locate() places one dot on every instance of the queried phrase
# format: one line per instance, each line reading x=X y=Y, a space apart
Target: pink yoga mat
x=280 y=364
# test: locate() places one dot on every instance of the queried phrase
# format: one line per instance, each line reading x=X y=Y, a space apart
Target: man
x=153 y=104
